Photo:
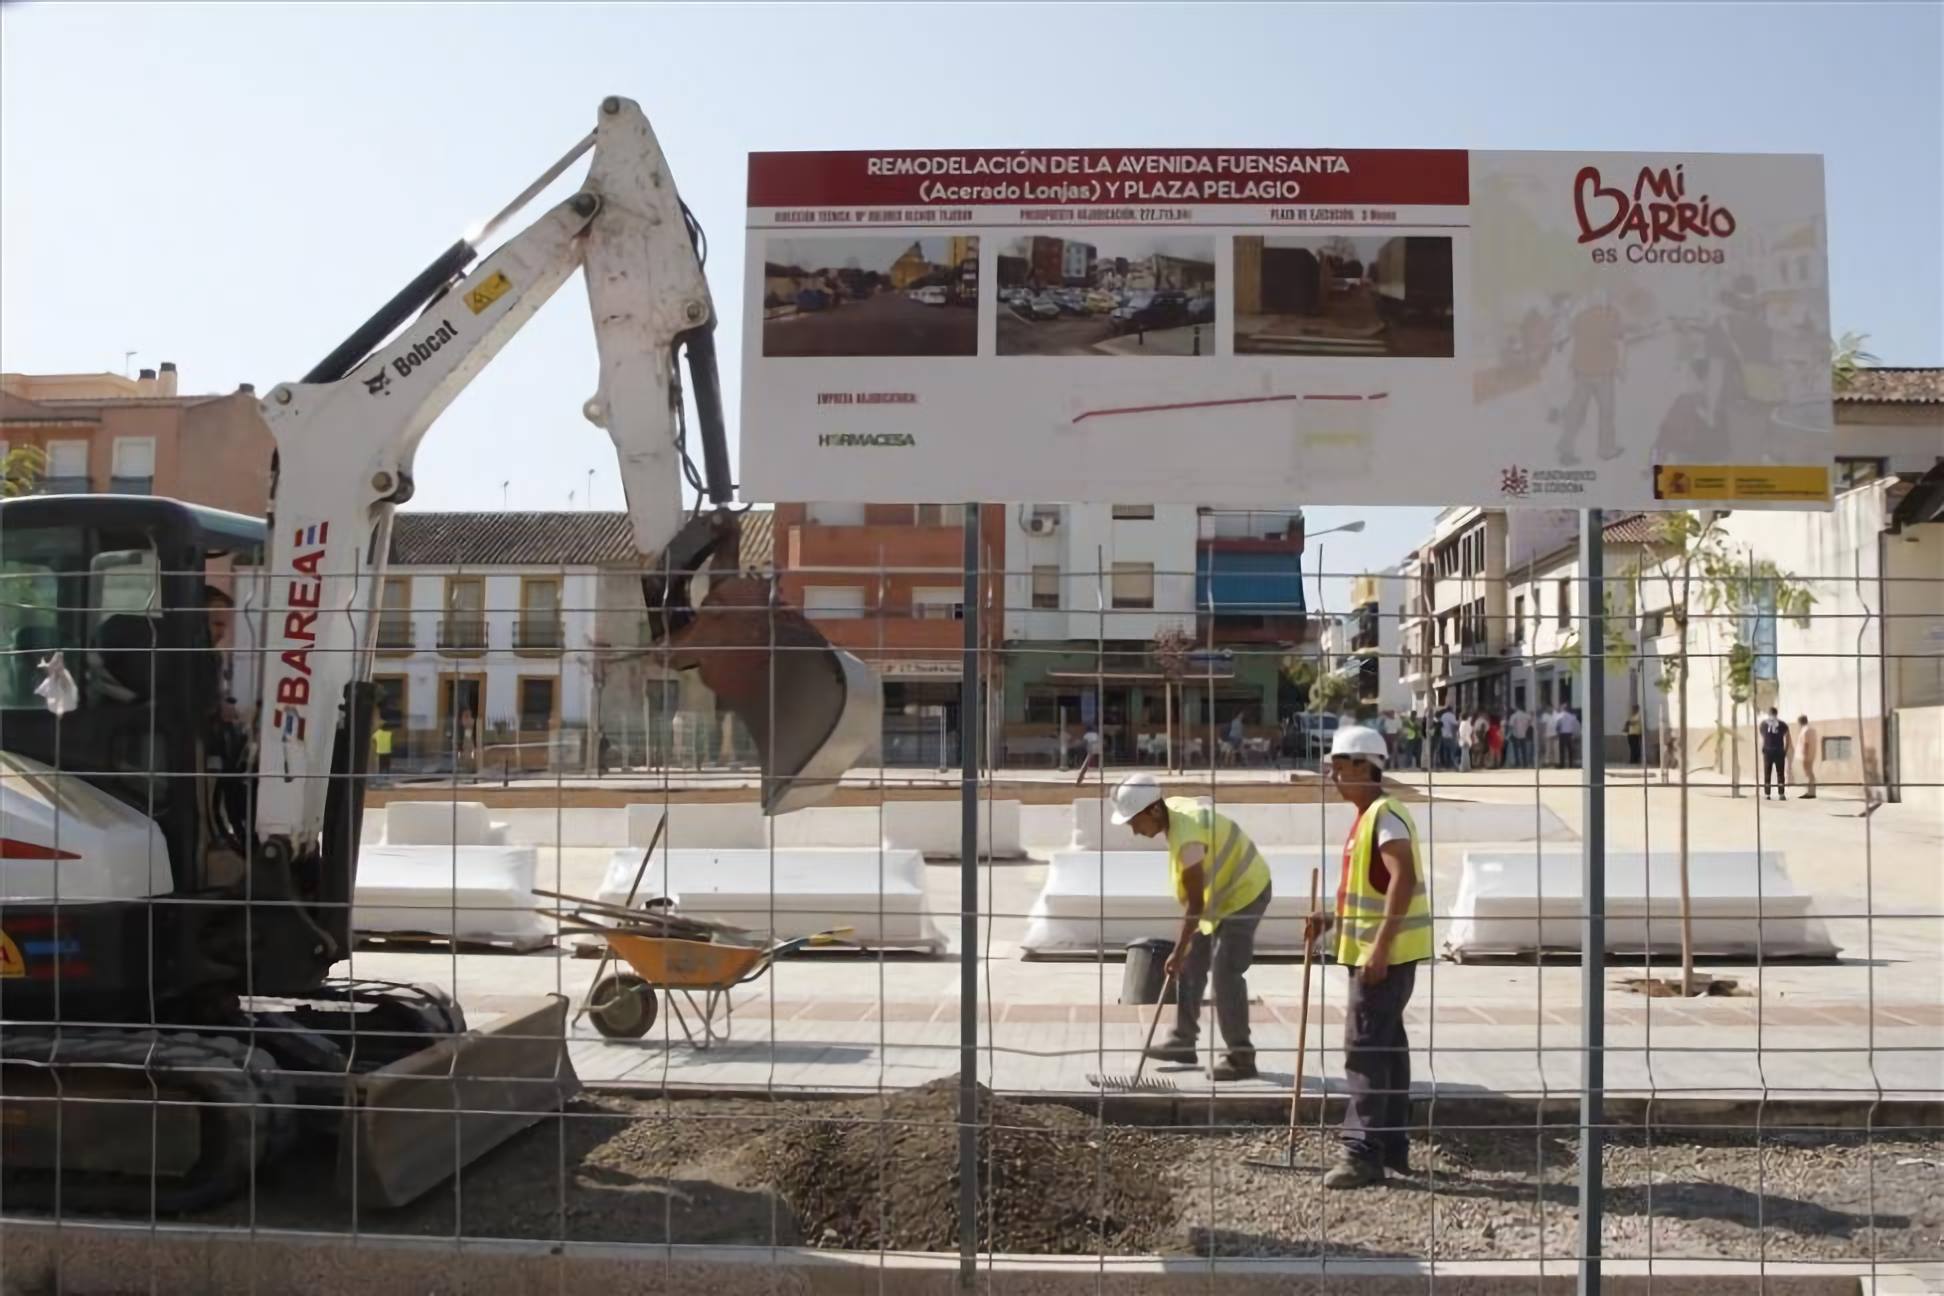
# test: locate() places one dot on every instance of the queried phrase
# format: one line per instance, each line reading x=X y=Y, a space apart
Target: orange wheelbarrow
x=687 y=969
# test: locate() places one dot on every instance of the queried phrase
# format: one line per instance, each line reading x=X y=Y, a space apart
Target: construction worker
x=1222 y=882
x=1383 y=931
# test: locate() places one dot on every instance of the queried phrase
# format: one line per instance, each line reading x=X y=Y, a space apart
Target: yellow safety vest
x=381 y=740
x=1234 y=869
x=1360 y=905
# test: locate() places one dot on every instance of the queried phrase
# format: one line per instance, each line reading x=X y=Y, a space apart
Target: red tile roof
x=1887 y=386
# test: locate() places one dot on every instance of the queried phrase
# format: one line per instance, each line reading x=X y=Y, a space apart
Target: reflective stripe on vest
x=1360 y=905
x=1233 y=868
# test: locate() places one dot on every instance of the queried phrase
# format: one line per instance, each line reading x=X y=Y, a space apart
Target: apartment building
x=886 y=582
x=1374 y=639
x=1094 y=589
x=1455 y=590
x=104 y=433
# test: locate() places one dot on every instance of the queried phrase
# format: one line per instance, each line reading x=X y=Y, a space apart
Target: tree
x=21 y=470
x=1333 y=694
x=1846 y=357
x=1704 y=563
x=1172 y=648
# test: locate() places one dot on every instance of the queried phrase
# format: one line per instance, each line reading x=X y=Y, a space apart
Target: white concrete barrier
x=742 y=825
x=441 y=823
x=1743 y=905
x=1096 y=901
x=1304 y=823
x=565 y=826
x=934 y=828
x=465 y=892
x=789 y=892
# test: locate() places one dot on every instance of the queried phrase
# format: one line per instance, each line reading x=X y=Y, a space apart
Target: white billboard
x=1284 y=327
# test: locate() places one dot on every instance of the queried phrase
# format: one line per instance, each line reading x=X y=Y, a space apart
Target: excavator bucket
x=417 y=1122
x=812 y=709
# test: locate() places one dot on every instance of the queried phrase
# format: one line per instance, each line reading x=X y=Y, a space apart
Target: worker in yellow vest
x=1383 y=931
x=1222 y=882
x=381 y=745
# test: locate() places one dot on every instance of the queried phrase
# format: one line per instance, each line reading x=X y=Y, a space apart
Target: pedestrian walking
x=1448 y=738
x=1774 y=732
x=1633 y=737
x=1222 y=882
x=1413 y=735
x=1465 y=744
x=1382 y=922
x=1805 y=741
x=1495 y=739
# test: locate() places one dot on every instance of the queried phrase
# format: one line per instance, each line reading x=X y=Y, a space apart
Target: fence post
x=968 y=1114
x=1592 y=1188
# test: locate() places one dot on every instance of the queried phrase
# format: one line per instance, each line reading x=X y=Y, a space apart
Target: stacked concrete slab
x=444 y=869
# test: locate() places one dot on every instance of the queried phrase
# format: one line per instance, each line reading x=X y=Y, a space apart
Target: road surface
x=888 y=324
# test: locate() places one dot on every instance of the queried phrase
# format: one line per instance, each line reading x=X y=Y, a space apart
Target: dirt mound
x=884 y=1173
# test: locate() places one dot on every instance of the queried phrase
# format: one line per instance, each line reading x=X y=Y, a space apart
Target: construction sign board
x=1288 y=326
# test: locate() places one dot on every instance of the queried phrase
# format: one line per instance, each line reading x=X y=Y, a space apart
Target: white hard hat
x=1362 y=742
x=1136 y=794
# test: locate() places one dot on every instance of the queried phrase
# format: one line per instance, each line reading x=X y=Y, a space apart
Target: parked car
x=812 y=299
x=930 y=296
x=1201 y=310
x=1072 y=303
x=1167 y=309
x=1045 y=308
x=1101 y=302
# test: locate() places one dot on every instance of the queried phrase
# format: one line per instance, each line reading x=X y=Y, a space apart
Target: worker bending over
x=1222 y=882
x=1383 y=927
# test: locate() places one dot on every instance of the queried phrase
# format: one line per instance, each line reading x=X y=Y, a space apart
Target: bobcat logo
x=379 y=384
x=1515 y=481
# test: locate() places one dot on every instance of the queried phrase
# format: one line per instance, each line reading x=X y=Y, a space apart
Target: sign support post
x=1592 y=1187
x=969 y=712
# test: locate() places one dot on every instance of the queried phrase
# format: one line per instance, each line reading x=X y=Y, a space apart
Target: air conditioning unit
x=1042 y=524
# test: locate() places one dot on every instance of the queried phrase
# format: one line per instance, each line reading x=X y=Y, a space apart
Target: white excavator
x=176 y=881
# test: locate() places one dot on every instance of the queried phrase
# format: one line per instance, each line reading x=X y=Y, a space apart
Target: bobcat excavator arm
x=347 y=433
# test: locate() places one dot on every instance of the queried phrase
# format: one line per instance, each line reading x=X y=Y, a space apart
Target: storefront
x=1055 y=695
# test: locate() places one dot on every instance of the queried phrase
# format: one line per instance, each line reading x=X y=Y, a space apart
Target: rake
x=1302 y=1038
x=1135 y=1083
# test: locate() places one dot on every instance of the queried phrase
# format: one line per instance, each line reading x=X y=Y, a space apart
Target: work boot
x=1173 y=1050
x=1236 y=1066
x=1353 y=1172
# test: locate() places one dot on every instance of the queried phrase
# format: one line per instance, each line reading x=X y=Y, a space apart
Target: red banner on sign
x=1405 y=177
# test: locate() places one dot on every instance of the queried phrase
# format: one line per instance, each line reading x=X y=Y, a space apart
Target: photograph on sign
x=1337 y=295
x=1282 y=327
x=870 y=295
x=1113 y=293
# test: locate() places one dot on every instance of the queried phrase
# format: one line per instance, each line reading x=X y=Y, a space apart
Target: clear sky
x=235 y=187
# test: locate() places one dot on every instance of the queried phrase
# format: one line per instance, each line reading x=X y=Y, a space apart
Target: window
x=66 y=469
x=1518 y=619
x=1565 y=605
x=395 y=616
x=536 y=704
x=133 y=472
x=1046 y=588
x=464 y=626
x=950 y=515
x=1837 y=749
x=833 y=602
x=1133 y=585
x=539 y=612
x=1854 y=471
x=391 y=692
x=941 y=603
x=1133 y=512
x=827 y=514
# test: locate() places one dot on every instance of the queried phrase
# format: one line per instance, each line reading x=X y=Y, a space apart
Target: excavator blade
x=812 y=709
x=415 y=1123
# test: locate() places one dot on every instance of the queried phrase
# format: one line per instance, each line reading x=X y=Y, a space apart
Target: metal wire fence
x=761 y=1058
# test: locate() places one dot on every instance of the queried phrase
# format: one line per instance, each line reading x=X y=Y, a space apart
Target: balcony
x=132 y=485
x=63 y=486
x=462 y=636
x=535 y=636
x=395 y=633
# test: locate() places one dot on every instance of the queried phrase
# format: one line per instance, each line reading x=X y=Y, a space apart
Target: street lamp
x=1349 y=527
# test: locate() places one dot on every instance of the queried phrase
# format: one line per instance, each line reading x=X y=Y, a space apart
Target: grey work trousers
x=1226 y=955
x=1377 y=1065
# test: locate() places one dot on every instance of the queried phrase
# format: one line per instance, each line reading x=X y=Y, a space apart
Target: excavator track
x=135 y=1122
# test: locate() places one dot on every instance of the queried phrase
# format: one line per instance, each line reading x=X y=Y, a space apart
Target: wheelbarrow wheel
x=623 y=1006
